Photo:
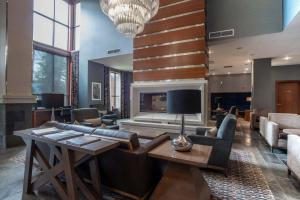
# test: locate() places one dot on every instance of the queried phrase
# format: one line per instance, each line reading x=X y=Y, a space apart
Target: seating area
x=149 y=100
x=276 y=126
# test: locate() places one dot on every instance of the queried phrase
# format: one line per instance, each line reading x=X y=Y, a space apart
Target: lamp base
x=182 y=143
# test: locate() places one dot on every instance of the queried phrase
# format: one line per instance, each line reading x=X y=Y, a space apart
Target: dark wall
x=264 y=82
x=229 y=83
x=97 y=35
x=100 y=73
x=247 y=17
x=234 y=83
x=281 y=73
x=261 y=96
x=96 y=74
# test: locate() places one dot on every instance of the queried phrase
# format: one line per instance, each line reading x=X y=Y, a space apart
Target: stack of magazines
x=83 y=140
x=45 y=131
x=63 y=135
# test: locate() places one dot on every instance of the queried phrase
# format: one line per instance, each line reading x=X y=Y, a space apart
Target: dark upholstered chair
x=81 y=114
x=221 y=115
x=221 y=144
x=232 y=110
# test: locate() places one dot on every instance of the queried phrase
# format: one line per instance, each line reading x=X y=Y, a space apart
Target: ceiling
x=283 y=48
x=120 y=62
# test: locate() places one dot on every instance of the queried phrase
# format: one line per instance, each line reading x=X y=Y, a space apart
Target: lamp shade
x=184 y=101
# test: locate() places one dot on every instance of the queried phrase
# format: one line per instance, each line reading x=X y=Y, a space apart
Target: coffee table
x=63 y=160
x=291 y=131
x=182 y=178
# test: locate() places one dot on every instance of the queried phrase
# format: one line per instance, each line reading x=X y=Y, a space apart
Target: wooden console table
x=182 y=179
x=63 y=160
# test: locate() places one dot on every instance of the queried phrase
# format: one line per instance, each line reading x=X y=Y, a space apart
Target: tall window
x=50 y=73
x=115 y=90
x=76 y=27
x=51 y=23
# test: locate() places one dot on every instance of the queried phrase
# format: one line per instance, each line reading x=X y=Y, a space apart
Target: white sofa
x=272 y=126
x=293 y=155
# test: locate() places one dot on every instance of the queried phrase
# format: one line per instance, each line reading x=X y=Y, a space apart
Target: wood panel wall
x=173 y=44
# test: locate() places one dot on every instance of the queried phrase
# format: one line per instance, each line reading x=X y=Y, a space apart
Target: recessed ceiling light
x=248 y=61
x=246 y=69
x=287 y=58
x=214 y=73
x=210 y=51
x=228 y=73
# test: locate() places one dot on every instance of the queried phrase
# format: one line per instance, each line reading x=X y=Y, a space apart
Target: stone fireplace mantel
x=163 y=86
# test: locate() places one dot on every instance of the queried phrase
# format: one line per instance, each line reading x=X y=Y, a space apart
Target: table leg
x=68 y=159
x=27 y=187
x=181 y=182
x=95 y=175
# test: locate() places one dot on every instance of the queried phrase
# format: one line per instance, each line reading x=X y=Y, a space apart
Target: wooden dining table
x=62 y=161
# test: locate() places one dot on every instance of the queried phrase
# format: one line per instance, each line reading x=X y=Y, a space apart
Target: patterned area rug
x=245 y=180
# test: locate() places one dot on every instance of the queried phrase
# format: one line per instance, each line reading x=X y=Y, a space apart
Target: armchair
x=221 y=115
x=221 y=144
x=80 y=115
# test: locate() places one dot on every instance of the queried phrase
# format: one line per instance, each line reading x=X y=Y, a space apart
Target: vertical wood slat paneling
x=195 y=59
x=185 y=7
x=172 y=36
x=176 y=29
x=199 y=45
x=182 y=21
x=188 y=73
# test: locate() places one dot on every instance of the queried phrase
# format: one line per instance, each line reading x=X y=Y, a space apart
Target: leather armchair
x=221 y=144
x=271 y=128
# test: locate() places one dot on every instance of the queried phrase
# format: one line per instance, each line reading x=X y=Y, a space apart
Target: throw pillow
x=212 y=132
x=76 y=122
x=95 y=122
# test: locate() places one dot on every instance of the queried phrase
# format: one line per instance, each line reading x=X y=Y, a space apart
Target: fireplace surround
x=162 y=120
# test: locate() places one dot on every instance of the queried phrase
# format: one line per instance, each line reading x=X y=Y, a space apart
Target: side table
x=182 y=178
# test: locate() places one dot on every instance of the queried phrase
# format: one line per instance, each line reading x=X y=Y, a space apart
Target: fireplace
x=153 y=102
x=149 y=104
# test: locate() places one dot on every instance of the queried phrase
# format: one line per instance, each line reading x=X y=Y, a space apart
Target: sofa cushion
x=128 y=140
x=227 y=128
x=80 y=128
x=94 y=122
x=285 y=120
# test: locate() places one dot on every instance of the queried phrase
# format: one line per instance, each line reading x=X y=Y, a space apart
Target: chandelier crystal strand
x=130 y=16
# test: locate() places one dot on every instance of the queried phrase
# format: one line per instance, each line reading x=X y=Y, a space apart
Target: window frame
x=115 y=89
x=67 y=94
x=54 y=21
x=62 y=52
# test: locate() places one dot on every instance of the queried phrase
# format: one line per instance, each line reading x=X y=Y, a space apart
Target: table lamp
x=183 y=102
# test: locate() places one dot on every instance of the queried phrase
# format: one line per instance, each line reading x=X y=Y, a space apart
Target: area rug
x=245 y=180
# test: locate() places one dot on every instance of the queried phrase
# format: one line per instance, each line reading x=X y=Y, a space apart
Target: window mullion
x=53 y=66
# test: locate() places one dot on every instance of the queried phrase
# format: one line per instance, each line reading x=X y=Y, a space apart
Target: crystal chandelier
x=130 y=16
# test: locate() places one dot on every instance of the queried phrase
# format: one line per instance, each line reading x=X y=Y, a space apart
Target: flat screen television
x=51 y=100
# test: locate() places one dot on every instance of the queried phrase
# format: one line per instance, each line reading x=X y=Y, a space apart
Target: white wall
x=2 y=45
x=19 y=54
